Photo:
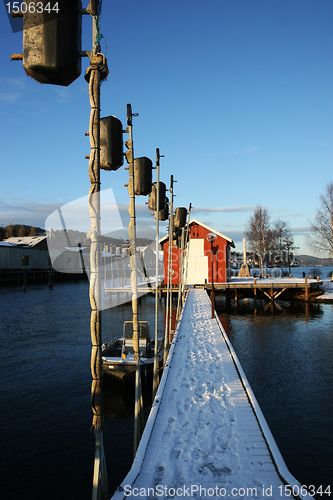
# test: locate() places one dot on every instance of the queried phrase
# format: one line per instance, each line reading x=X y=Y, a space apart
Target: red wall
x=219 y=253
x=219 y=256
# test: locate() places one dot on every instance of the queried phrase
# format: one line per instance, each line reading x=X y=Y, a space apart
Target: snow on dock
x=206 y=436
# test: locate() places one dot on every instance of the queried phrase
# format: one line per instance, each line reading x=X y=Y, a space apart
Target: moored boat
x=118 y=355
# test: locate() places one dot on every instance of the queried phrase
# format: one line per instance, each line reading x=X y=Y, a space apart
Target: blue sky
x=236 y=94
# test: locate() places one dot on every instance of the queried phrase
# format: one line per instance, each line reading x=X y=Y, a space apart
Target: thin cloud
x=10 y=97
x=12 y=90
x=248 y=149
x=29 y=212
x=251 y=149
x=207 y=210
x=35 y=213
x=300 y=231
x=62 y=94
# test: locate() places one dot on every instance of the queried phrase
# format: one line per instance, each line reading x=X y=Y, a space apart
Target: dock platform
x=271 y=288
x=206 y=436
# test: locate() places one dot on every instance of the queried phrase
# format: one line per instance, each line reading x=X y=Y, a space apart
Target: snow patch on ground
x=327 y=287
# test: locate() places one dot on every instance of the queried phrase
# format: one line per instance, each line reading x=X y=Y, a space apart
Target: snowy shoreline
x=327 y=288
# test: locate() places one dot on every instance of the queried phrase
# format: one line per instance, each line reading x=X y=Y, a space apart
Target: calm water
x=47 y=448
x=287 y=355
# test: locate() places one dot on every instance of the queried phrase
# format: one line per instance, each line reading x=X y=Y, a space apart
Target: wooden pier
x=271 y=288
x=206 y=435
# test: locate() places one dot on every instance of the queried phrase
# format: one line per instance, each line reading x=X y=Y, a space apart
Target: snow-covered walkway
x=206 y=436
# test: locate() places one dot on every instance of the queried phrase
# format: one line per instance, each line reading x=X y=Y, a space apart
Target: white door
x=197 y=263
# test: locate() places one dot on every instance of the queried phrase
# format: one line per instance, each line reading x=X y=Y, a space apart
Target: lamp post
x=211 y=237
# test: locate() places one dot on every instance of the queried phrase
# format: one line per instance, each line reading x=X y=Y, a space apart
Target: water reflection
x=305 y=311
x=119 y=396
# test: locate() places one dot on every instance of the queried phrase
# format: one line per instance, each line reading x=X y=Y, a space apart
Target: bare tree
x=259 y=235
x=289 y=246
x=283 y=243
x=321 y=239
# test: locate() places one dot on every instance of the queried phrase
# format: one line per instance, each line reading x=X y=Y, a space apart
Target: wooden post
x=96 y=72
x=212 y=298
x=157 y=216
x=133 y=265
x=169 y=279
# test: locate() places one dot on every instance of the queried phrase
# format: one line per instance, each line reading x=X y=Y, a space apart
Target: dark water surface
x=47 y=449
x=287 y=356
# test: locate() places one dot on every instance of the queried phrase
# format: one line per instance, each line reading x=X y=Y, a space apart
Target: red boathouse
x=199 y=256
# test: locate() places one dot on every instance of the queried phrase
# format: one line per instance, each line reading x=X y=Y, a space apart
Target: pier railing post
x=132 y=236
x=187 y=248
x=94 y=74
x=211 y=237
x=169 y=279
x=157 y=215
x=212 y=262
x=181 y=273
x=307 y=289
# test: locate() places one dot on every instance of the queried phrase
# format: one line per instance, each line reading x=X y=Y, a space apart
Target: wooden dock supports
x=270 y=289
x=307 y=288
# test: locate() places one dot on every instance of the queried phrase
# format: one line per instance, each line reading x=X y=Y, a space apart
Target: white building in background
x=24 y=254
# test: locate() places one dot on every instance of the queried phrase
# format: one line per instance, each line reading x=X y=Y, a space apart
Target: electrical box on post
x=111 y=143
x=152 y=202
x=180 y=217
x=177 y=237
x=142 y=176
x=177 y=232
x=164 y=214
x=52 y=42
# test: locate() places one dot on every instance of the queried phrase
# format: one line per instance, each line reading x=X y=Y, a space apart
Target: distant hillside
x=309 y=260
x=23 y=230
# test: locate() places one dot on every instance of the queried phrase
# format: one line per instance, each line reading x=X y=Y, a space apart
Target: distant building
x=24 y=254
x=199 y=256
x=37 y=242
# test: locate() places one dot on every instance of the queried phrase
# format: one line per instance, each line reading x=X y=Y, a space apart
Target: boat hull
x=121 y=368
